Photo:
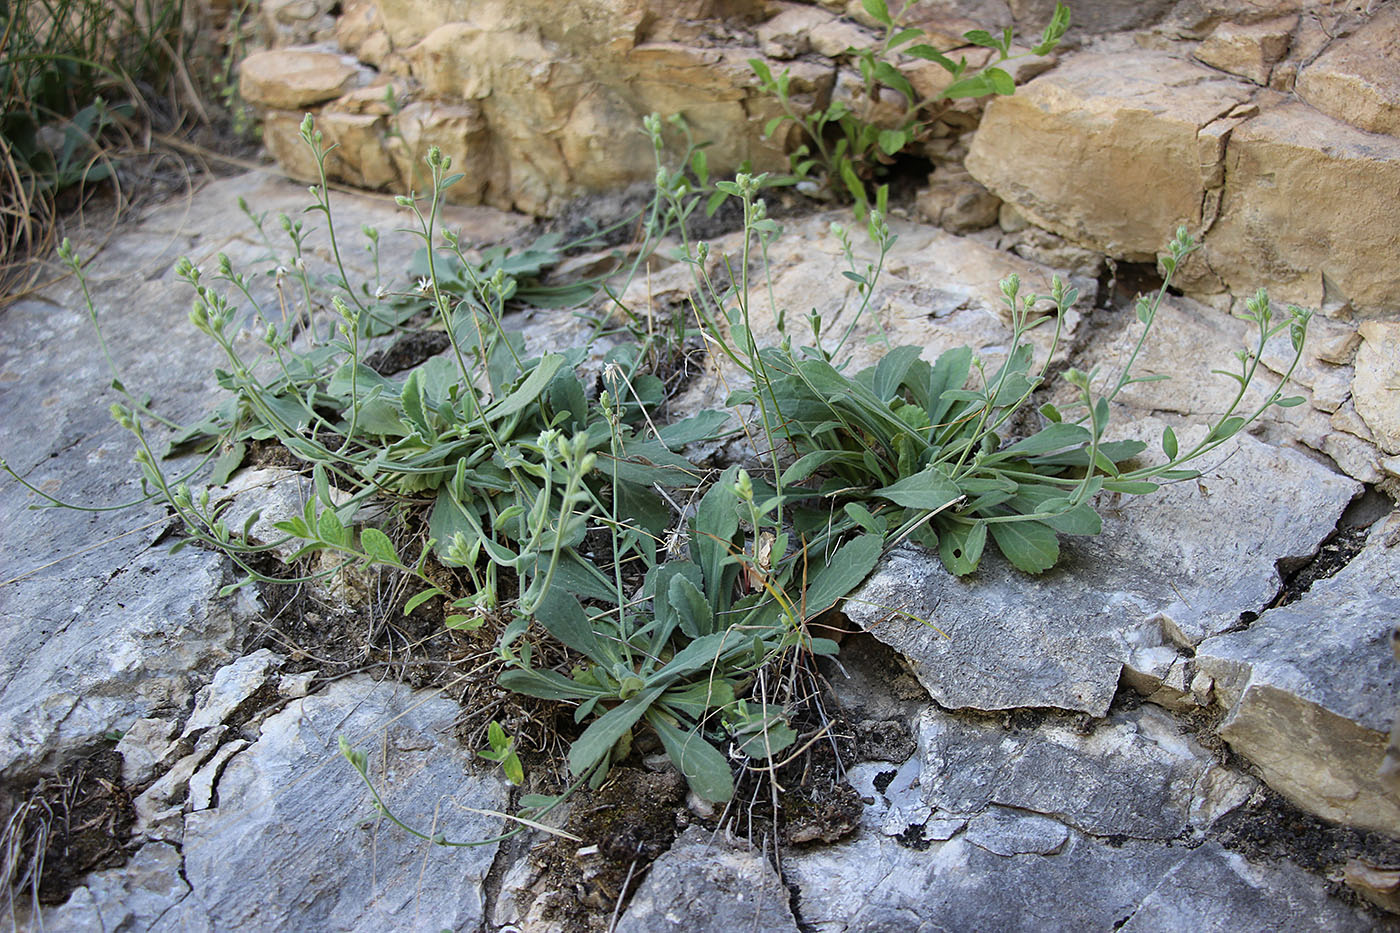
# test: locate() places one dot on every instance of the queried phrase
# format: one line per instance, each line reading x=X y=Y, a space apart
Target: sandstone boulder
x=1248 y=51
x=1311 y=688
x=1104 y=149
x=291 y=79
x=1308 y=206
x=1357 y=79
x=1376 y=386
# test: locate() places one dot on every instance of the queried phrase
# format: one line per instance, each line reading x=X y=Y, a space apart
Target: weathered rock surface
x=1317 y=737
x=295 y=843
x=874 y=883
x=288 y=79
x=1168 y=570
x=1136 y=775
x=709 y=885
x=1248 y=51
x=1376 y=387
x=1104 y=149
x=136 y=896
x=1290 y=163
x=1358 y=78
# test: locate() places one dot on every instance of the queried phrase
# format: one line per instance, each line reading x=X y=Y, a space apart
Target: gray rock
x=1006 y=832
x=872 y=884
x=232 y=685
x=1311 y=688
x=127 y=650
x=705 y=885
x=135 y=896
x=1169 y=569
x=96 y=629
x=1215 y=891
x=1135 y=775
x=145 y=746
x=294 y=842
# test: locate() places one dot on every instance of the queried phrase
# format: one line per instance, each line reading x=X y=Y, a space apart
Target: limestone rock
x=1168 y=569
x=1357 y=79
x=1376 y=386
x=1216 y=891
x=298 y=22
x=1104 y=149
x=788 y=34
x=957 y=203
x=707 y=885
x=133 y=897
x=293 y=839
x=874 y=883
x=145 y=746
x=1287 y=170
x=1248 y=51
x=1006 y=832
x=1136 y=775
x=1311 y=688
x=1091 y=16
x=232 y=685
x=291 y=79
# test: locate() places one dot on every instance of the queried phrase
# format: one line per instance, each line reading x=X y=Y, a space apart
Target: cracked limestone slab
x=294 y=842
x=97 y=628
x=705 y=884
x=135 y=896
x=1135 y=775
x=873 y=882
x=1311 y=688
x=1170 y=568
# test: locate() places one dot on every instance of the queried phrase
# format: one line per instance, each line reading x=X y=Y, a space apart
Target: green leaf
x=330 y=530
x=892 y=141
x=529 y=390
x=1001 y=82
x=419 y=599
x=1079 y=520
x=705 y=769
x=700 y=165
x=1030 y=546
x=1290 y=402
x=929 y=53
x=1049 y=439
x=760 y=68
x=1130 y=486
x=701 y=426
x=691 y=608
x=232 y=458
x=547 y=685
x=716 y=524
x=1169 y=445
x=377 y=545
x=1227 y=428
x=562 y=616
x=599 y=738
x=845 y=571
x=890 y=371
x=865 y=519
x=879 y=11
x=981 y=37
x=930 y=489
x=960 y=546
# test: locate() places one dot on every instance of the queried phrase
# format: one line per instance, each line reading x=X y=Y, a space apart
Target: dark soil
x=73 y=823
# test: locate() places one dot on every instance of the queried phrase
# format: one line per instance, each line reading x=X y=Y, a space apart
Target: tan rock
x=1376 y=387
x=361 y=156
x=957 y=202
x=298 y=22
x=288 y=79
x=459 y=131
x=1091 y=16
x=360 y=31
x=834 y=38
x=1248 y=51
x=1195 y=19
x=1310 y=206
x=1104 y=149
x=1358 y=78
x=788 y=34
x=281 y=131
